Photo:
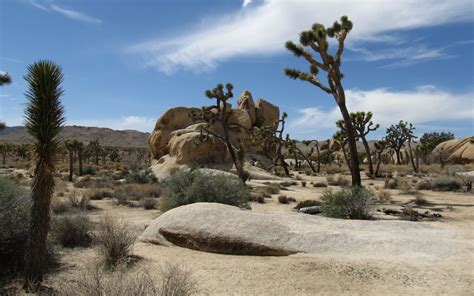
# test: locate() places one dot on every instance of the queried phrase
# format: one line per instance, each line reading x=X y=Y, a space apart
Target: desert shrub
x=95 y=182
x=303 y=183
x=330 y=180
x=72 y=230
x=406 y=187
x=135 y=194
x=272 y=188
x=424 y=185
x=79 y=202
x=384 y=195
x=14 y=223
x=288 y=184
x=141 y=177
x=298 y=177
x=98 y=280
x=353 y=203
x=59 y=206
x=420 y=200
x=307 y=203
x=115 y=240
x=339 y=181
x=89 y=170
x=190 y=187
x=446 y=183
x=260 y=199
x=149 y=203
x=390 y=183
x=177 y=281
x=98 y=193
x=308 y=171
x=320 y=184
x=283 y=199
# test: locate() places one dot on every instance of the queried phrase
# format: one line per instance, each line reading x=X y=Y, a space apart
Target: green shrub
x=89 y=170
x=446 y=183
x=116 y=241
x=190 y=187
x=72 y=230
x=351 y=203
x=141 y=177
x=307 y=203
x=14 y=224
x=149 y=203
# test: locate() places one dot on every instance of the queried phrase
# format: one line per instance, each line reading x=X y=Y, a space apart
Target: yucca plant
x=5 y=79
x=44 y=119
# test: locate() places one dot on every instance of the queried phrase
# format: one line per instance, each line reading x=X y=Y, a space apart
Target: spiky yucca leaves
x=5 y=79
x=44 y=118
x=316 y=40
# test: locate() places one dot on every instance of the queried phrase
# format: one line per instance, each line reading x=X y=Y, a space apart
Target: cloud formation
x=69 y=13
x=262 y=29
x=424 y=105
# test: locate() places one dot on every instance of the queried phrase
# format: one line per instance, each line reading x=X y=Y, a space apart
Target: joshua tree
x=220 y=114
x=114 y=155
x=96 y=149
x=380 y=147
x=305 y=156
x=340 y=138
x=396 y=138
x=5 y=149
x=363 y=125
x=44 y=116
x=70 y=146
x=5 y=79
x=317 y=40
x=290 y=145
x=279 y=159
x=80 y=150
x=408 y=129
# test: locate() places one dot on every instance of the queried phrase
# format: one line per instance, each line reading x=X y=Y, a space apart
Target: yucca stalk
x=44 y=119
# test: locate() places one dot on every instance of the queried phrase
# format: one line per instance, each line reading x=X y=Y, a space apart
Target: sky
x=126 y=62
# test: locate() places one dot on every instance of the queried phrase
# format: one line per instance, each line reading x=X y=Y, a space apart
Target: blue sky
x=126 y=62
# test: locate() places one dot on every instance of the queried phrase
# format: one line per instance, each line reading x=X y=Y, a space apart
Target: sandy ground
x=309 y=274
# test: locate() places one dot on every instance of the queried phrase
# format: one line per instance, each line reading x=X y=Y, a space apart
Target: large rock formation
x=456 y=151
x=227 y=229
x=177 y=142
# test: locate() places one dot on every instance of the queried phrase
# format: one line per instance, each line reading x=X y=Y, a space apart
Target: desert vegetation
x=84 y=218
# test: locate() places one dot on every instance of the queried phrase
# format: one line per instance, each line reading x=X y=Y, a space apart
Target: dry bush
x=273 y=188
x=95 y=182
x=59 y=206
x=353 y=203
x=283 y=199
x=320 y=184
x=116 y=240
x=98 y=281
x=446 y=183
x=420 y=200
x=424 y=185
x=72 y=230
x=406 y=186
x=338 y=181
x=98 y=193
x=307 y=203
x=390 y=183
x=149 y=203
x=303 y=183
x=80 y=202
x=288 y=184
x=384 y=196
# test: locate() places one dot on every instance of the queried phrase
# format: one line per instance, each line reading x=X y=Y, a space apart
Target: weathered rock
x=227 y=229
x=267 y=114
x=311 y=210
x=246 y=103
x=187 y=148
x=456 y=151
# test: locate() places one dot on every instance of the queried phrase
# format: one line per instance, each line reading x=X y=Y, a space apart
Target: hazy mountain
x=106 y=136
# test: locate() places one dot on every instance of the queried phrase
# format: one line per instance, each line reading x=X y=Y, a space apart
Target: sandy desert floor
x=309 y=274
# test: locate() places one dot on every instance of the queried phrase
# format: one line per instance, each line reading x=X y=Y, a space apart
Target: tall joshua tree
x=396 y=138
x=70 y=146
x=220 y=114
x=380 y=147
x=44 y=118
x=363 y=125
x=96 y=149
x=4 y=79
x=316 y=40
x=408 y=129
x=80 y=150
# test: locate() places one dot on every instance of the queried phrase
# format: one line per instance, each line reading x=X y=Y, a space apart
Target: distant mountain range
x=106 y=136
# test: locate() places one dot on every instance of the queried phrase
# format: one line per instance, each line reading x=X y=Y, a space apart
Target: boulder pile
x=456 y=151
x=175 y=141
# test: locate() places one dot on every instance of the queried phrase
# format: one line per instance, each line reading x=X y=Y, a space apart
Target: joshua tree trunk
x=369 y=157
x=346 y=158
x=79 y=158
x=71 y=165
x=397 y=152
x=319 y=158
x=4 y=157
x=412 y=160
x=379 y=161
x=295 y=156
x=37 y=256
x=354 y=163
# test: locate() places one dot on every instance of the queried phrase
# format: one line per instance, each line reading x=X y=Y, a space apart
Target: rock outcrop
x=177 y=142
x=225 y=229
x=456 y=151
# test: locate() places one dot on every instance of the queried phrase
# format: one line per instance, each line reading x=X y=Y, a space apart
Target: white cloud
x=245 y=3
x=66 y=12
x=424 y=105
x=263 y=29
